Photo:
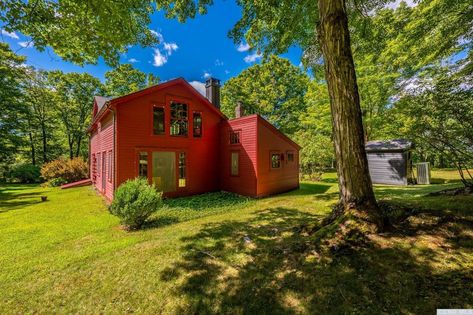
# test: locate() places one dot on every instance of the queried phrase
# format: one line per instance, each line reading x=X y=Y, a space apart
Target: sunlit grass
x=222 y=253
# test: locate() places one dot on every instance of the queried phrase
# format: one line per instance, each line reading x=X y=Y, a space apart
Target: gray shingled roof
x=389 y=145
x=101 y=100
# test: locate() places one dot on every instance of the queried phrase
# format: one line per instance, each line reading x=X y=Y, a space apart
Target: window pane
x=290 y=157
x=143 y=165
x=182 y=169
x=275 y=160
x=178 y=119
x=235 y=163
x=158 y=120
x=197 y=125
x=234 y=137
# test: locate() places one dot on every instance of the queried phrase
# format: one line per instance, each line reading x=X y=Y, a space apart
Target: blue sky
x=194 y=50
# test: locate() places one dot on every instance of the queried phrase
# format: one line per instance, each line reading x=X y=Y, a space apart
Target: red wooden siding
x=245 y=182
x=101 y=142
x=275 y=180
x=135 y=134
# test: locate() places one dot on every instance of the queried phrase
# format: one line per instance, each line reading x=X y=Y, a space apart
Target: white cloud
x=158 y=35
x=159 y=59
x=199 y=86
x=206 y=75
x=26 y=44
x=243 y=47
x=10 y=34
x=227 y=71
x=170 y=47
x=252 y=58
x=218 y=62
x=133 y=60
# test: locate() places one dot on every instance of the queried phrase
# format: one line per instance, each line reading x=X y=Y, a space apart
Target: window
x=197 y=125
x=182 y=169
x=158 y=120
x=98 y=163
x=143 y=165
x=290 y=156
x=234 y=137
x=235 y=163
x=178 y=119
x=110 y=165
x=275 y=160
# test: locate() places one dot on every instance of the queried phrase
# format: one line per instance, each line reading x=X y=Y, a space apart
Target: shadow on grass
x=11 y=200
x=262 y=266
x=205 y=201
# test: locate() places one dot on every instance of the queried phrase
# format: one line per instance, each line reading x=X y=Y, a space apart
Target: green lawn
x=69 y=255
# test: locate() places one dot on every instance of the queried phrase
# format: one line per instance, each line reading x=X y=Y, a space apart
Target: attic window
x=158 y=120
x=179 y=119
x=234 y=137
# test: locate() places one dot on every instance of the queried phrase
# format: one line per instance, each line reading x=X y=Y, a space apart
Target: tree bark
x=45 y=142
x=356 y=190
x=33 y=153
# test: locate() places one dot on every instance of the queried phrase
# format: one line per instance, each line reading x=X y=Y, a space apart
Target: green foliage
x=134 y=201
x=55 y=182
x=274 y=89
x=82 y=31
x=12 y=77
x=67 y=170
x=125 y=79
x=26 y=173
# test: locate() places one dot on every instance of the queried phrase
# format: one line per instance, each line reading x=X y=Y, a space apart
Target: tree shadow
x=159 y=221
x=264 y=266
x=12 y=201
x=204 y=201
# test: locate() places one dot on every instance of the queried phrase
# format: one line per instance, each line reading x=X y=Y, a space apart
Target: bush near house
x=26 y=173
x=134 y=201
x=64 y=171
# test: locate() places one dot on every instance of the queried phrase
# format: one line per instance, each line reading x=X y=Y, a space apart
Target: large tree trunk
x=356 y=190
x=45 y=142
x=33 y=153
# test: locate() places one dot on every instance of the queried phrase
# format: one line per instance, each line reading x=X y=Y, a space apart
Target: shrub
x=134 y=201
x=55 y=182
x=68 y=170
x=26 y=173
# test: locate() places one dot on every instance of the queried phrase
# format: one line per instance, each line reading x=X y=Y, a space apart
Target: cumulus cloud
x=26 y=44
x=252 y=58
x=170 y=47
x=133 y=60
x=158 y=58
x=158 y=35
x=199 y=86
x=206 y=75
x=243 y=47
x=10 y=34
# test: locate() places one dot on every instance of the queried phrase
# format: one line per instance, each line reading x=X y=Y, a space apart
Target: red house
x=181 y=141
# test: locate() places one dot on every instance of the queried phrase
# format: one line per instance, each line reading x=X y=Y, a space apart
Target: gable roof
x=389 y=145
x=106 y=103
x=100 y=101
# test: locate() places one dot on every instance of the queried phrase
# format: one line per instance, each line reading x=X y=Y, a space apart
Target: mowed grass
x=221 y=253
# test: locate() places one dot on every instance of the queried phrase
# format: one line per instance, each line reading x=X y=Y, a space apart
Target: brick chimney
x=212 y=91
x=239 y=110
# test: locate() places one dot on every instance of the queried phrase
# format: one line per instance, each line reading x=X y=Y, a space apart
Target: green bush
x=26 y=173
x=68 y=170
x=55 y=182
x=134 y=201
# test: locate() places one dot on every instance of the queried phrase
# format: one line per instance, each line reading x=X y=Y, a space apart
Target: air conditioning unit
x=423 y=173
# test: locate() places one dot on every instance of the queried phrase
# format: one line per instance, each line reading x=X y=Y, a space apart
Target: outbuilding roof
x=389 y=145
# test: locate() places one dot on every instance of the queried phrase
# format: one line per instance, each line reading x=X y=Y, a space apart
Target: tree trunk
x=79 y=140
x=356 y=190
x=71 y=146
x=45 y=142
x=33 y=153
